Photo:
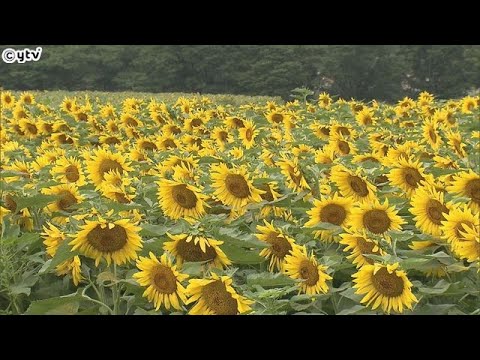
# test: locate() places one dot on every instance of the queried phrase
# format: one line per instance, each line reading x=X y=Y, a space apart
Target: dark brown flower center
x=32 y=129
x=10 y=203
x=238 y=122
x=462 y=226
x=108 y=165
x=71 y=173
x=107 y=240
x=377 y=221
x=169 y=144
x=344 y=147
x=249 y=134
x=412 y=177
x=268 y=196
x=237 y=186
x=184 y=197
x=148 y=145
x=333 y=214
x=435 y=210
x=164 y=279
x=67 y=199
x=473 y=190
x=358 y=185
x=192 y=252
x=387 y=284
x=111 y=140
x=218 y=299
x=309 y=272
x=432 y=135
x=366 y=247
x=196 y=122
x=279 y=246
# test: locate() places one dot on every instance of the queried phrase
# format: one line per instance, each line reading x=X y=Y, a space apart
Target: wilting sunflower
x=352 y=184
x=104 y=161
x=279 y=245
x=68 y=170
x=431 y=135
x=248 y=134
x=71 y=267
x=118 y=241
x=359 y=245
x=375 y=217
x=163 y=281
x=68 y=196
x=458 y=219
x=53 y=237
x=180 y=200
x=233 y=187
x=298 y=265
x=429 y=209
x=194 y=248
x=467 y=184
x=335 y=210
x=407 y=175
x=293 y=173
x=384 y=285
x=216 y=296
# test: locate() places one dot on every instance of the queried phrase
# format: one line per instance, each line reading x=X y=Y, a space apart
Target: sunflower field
x=188 y=205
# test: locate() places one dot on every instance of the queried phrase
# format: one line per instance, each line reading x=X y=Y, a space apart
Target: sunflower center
x=164 y=280
x=131 y=122
x=435 y=210
x=64 y=139
x=473 y=190
x=184 y=197
x=237 y=185
x=412 y=177
x=309 y=272
x=111 y=140
x=196 y=122
x=10 y=203
x=462 y=226
x=82 y=117
x=268 y=196
x=344 y=147
x=190 y=251
x=48 y=128
x=22 y=115
x=387 y=284
x=277 y=118
x=67 y=200
x=32 y=129
x=279 y=245
x=218 y=299
x=107 y=240
x=175 y=130
x=169 y=144
x=325 y=131
x=223 y=136
x=359 y=186
x=333 y=214
x=249 y=134
x=148 y=145
x=366 y=247
x=377 y=221
x=238 y=123
x=369 y=158
x=108 y=165
x=432 y=135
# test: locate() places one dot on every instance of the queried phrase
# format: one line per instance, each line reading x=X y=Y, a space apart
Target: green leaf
x=267 y=279
x=439 y=288
x=153 y=230
x=63 y=305
x=64 y=252
x=38 y=201
x=240 y=255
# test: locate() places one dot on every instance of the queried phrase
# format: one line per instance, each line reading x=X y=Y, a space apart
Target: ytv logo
x=10 y=55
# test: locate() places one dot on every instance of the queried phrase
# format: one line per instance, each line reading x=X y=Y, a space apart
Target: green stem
x=115 y=291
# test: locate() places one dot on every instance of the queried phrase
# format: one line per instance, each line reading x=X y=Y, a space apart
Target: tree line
x=384 y=72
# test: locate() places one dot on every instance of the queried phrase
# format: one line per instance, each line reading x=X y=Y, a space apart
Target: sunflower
x=118 y=240
x=71 y=267
x=352 y=184
x=68 y=170
x=359 y=245
x=166 y=142
x=162 y=280
x=68 y=105
x=193 y=122
x=467 y=184
x=234 y=122
x=407 y=175
x=431 y=135
x=184 y=172
x=104 y=161
x=221 y=137
x=233 y=187
x=342 y=146
x=469 y=248
x=455 y=142
x=335 y=210
x=365 y=117
x=8 y=100
x=468 y=105
x=279 y=245
x=19 y=113
x=321 y=131
x=276 y=117
x=456 y=222
x=216 y=296
x=429 y=209
x=180 y=200
x=384 y=285
x=342 y=131
x=194 y=248
x=248 y=134
x=23 y=169
x=61 y=139
x=270 y=194
x=292 y=171
x=299 y=266
x=68 y=195
x=324 y=100
x=52 y=238
x=375 y=217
